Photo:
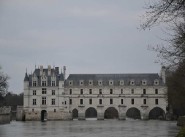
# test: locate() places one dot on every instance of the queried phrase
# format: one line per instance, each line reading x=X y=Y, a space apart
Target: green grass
x=181 y=132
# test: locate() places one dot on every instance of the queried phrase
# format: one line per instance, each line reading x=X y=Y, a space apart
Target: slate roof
x=138 y=78
x=54 y=72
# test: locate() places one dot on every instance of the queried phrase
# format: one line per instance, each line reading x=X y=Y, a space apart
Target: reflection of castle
x=47 y=92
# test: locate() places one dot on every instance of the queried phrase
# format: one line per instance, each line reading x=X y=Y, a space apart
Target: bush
x=181 y=132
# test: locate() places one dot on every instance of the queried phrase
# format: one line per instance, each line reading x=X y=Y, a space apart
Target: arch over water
x=91 y=113
x=157 y=113
x=43 y=115
x=133 y=113
x=111 y=113
x=75 y=113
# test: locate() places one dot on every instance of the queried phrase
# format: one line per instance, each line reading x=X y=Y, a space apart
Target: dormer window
x=34 y=83
x=70 y=83
x=53 y=83
x=43 y=83
x=90 y=82
x=121 y=82
x=100 y=83
x=111 y=82
x=156 y=82
x=144 y=82
x=81 y=82
x=132 y=82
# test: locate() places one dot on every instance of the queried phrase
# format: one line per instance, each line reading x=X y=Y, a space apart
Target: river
x=90 y=128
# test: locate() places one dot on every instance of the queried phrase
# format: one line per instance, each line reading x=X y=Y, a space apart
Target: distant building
x=47 y=94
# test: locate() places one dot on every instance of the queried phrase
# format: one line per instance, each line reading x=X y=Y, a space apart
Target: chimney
x=57 y=70
x=163 y=74
x=41 y=70
x=64 y=71
x=49 y=70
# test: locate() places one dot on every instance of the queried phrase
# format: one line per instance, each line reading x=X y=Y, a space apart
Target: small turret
x=26 y=78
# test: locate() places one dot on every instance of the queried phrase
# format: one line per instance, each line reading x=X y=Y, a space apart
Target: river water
x=90 y=128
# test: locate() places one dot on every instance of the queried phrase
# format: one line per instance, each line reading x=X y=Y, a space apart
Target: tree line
x=172 y=55
x=8 y=98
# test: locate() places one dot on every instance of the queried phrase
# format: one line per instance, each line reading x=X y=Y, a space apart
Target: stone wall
x=5 y=115
x=20 y=116
x=58 y=115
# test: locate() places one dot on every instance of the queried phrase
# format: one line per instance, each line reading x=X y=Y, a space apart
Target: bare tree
x=173 y=53
x=3 y=83
x=172 y=13
x=163 y=11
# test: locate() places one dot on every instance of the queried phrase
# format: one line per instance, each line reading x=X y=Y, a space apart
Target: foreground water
x=90 y=128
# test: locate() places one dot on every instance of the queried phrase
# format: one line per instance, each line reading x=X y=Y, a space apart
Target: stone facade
x=48 y=94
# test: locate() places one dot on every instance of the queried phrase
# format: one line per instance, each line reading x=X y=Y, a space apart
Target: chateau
x=48 y=94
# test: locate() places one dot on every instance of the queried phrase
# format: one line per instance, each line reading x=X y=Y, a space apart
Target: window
x=70 y=101
x=90 y=91
x=34 y=92
x=43 y=100
x=65 y=102
x=132 y=82
x=144 y=101
x=156 y=91
x=99 y=82
x=81 y=82
x=90 y=101
x=81 y=101
x=53 y=92
x=54 y=110
x=34 y=83
x=81 y=91
x=70 y=83
x=144 y=91
x=121 y=91
x=111 y=91
x=111 y=101
x=70 y=91
x=90 y=82
x=132 y=101
x=110 y=82
x=34 y=102
x=132 y=91
x=156 y=82
x=52 y=101
x=121 y=82
x=100 y=91
x=121 y=101
x=53 y=83
x=156 y=101
x=44 y=91
x=144 y=82
x=100 y=101
x=43 y=83
x=32 y=110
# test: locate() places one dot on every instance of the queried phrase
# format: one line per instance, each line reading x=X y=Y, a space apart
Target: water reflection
x=90 y=128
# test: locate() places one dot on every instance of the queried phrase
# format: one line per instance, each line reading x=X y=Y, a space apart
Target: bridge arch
x=133 y=113
x=111 y=113
x=157 y=113
x=75 y=114
x=91 y=113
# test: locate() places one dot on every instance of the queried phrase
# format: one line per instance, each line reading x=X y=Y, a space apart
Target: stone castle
x=48 y=94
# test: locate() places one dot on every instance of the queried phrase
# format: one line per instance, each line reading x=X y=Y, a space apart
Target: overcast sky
x=87 y=36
